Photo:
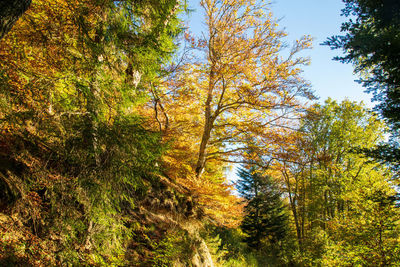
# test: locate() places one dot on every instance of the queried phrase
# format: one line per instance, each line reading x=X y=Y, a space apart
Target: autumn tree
x=243 y=84
x=334 y=131
x=71 y=73
x=89 y=59
x=329 y=184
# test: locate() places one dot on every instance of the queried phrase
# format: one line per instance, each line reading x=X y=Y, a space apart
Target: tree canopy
x=120 y=130
x=371 y=42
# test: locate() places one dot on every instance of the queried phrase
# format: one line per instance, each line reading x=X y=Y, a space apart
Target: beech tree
x=243 y=84
x=245 y=81
x=330 y=187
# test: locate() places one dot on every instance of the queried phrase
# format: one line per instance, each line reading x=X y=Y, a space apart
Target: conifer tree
x=370 y=41
x=265 y=218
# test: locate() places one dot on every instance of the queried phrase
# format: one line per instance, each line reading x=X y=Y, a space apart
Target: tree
x=331 y=187
x=10 y=11
x=235 y=86
x=265 y=218
x=332 y=133
x=372 y=43
x=68 y=81
x=242 y=84
x=96 y=49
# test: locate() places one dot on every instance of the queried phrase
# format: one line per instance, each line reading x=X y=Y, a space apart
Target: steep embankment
x=49 y=217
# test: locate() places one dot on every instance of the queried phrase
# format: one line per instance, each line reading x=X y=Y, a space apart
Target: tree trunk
x=292 y=205
x=94 y=97
x=10 y=11
x=208 y=125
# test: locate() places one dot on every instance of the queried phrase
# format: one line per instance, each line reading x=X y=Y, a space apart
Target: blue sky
x=319 y=19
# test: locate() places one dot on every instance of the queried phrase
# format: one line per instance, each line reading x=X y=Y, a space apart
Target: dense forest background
x=118 y=127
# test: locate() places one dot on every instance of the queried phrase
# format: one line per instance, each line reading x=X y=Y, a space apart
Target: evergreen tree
x=372 y=44
x=88 y=64
x=266 y=219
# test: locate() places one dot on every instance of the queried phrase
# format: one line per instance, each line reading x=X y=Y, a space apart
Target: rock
x=202 y=257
